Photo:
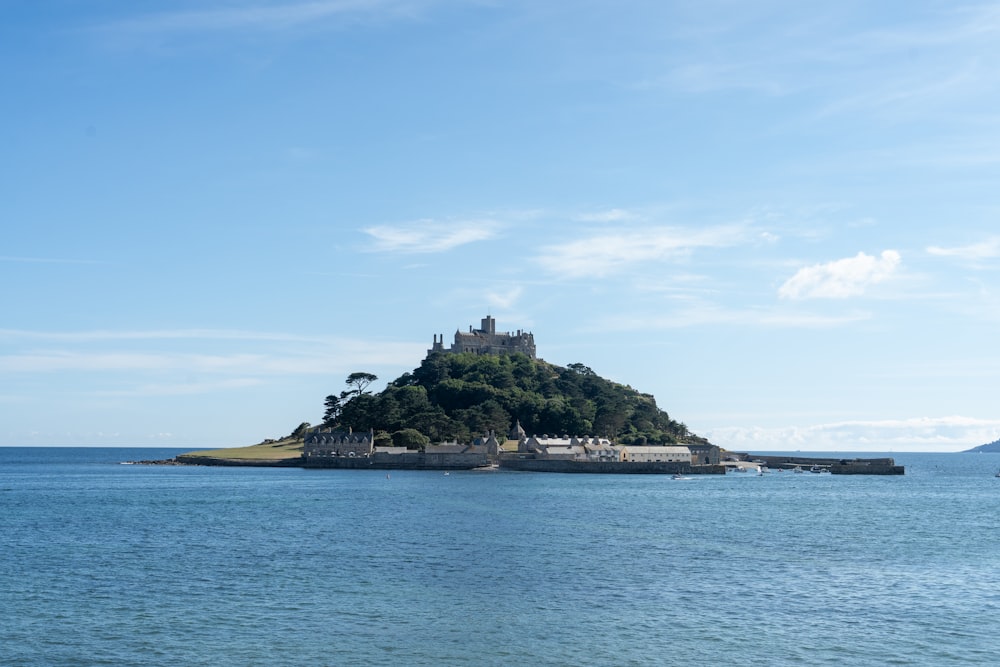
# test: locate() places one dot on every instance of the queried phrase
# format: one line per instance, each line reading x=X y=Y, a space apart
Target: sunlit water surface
x=108 y=564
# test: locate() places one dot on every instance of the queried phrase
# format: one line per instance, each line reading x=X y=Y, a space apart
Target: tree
x=410 y=438
x=333 y=410
x=300 y=430
x=359 y=381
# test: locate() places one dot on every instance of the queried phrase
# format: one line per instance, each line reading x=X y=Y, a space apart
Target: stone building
x=586 y=448
x=648 y=454
x=336 y=442
x=486 y=340
x=704 y=453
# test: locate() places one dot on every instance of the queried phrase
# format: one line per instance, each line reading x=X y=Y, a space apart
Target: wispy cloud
x=184 y=388
x=923 y=62
x=701 y=314
x=259 y=363
x=928 y=434
x=607 y=253
x=506 y=299
x=98 y=335
x=255 y=16
x=429 y=236
x=988 y=249
x=610 y=215
x=195 y=352
x=45 y=260
x=841 y=278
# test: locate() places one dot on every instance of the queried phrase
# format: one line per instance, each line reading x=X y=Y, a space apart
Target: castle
x=486 y=340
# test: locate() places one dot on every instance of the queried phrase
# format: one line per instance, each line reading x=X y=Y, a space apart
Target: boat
x=677 y=475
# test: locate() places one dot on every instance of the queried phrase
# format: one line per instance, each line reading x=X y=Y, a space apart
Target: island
x=488 y=401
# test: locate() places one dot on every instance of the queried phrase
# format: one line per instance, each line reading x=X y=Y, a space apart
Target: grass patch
x=266 y=451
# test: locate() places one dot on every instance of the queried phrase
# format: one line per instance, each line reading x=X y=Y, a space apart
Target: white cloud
x=841 y=278
x=506 y=299
x=611 y=215
x=926 y=434
x=425 y=236
x=607 y=253
x=988 y=249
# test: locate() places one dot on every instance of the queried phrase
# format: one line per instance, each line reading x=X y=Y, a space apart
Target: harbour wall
x=609 y=467
x=405 y=461
x=882 y=466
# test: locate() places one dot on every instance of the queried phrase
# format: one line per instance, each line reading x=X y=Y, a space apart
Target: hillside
x=460 y=396
x=989 y=447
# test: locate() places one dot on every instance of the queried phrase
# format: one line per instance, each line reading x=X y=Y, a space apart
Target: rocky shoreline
x=183 y=460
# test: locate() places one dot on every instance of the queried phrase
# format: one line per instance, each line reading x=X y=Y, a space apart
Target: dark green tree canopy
x=460 y=396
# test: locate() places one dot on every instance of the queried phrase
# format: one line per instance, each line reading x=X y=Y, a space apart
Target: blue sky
x=779 y=218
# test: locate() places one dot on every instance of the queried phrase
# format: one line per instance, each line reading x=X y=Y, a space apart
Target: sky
x=779 y=218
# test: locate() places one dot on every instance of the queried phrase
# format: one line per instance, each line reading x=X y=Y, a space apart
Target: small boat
x=998 y=474
x=677 y=475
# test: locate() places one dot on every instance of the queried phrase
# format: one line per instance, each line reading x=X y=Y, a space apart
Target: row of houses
x=586 y=448
x=324 y=444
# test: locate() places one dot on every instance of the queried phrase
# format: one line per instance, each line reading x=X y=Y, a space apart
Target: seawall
x=883 y=466
x=406 y=461
x=609 y=467
x=185 y=459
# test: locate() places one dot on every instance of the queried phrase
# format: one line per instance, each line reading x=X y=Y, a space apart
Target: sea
x=110 y=564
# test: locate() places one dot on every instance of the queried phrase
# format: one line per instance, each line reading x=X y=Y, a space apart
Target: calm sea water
x=107 y=564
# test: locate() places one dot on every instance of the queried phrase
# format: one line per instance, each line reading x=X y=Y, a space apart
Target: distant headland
x=988 y=447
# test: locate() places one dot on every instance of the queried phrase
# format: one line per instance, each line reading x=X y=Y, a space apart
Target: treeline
x=460 y=396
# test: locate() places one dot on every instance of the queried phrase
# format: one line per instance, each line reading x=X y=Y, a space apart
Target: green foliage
x=459 y=396
x=410 y=438
x=300 y=431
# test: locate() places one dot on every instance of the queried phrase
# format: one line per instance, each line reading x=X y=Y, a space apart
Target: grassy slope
x=289 y=448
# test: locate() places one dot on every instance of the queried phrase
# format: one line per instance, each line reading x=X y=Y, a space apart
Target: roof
x=654 y=449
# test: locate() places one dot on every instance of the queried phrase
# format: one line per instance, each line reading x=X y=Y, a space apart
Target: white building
x=646 y=454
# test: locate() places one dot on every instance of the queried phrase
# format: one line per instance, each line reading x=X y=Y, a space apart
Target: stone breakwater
x=608 y=467
x=883 y=466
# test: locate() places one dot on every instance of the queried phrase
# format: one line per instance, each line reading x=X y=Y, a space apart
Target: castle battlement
x=486 y=340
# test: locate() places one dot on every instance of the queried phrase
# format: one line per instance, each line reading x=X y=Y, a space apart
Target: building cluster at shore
x=330 y=447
